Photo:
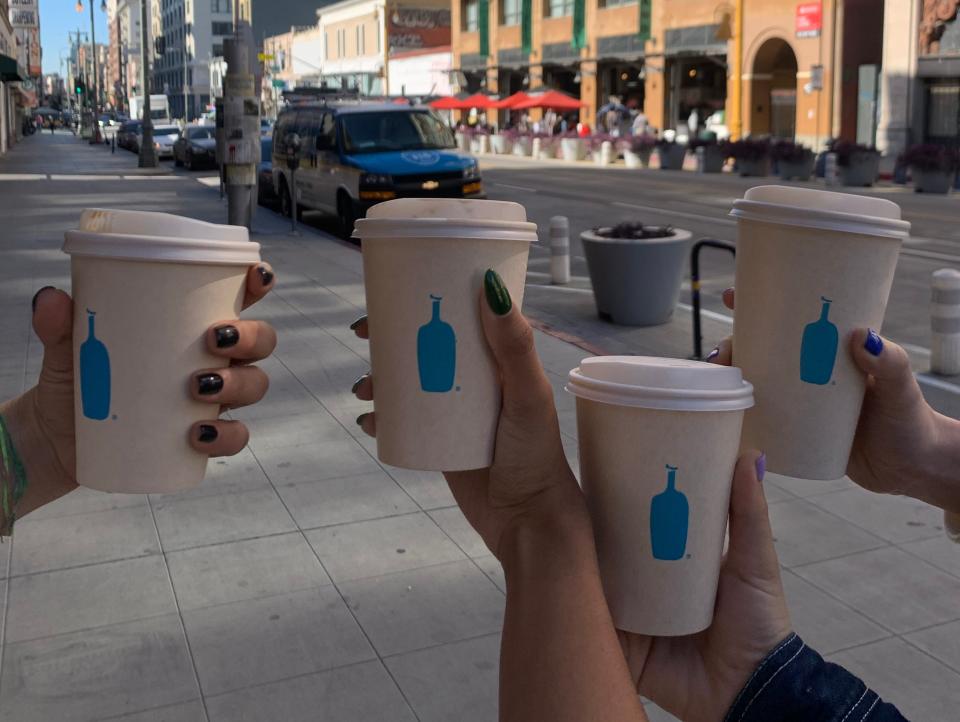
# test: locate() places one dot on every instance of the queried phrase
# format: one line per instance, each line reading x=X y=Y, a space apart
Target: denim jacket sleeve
x=795 y=684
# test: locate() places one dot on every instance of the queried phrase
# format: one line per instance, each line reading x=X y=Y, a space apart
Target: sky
x=57 y=18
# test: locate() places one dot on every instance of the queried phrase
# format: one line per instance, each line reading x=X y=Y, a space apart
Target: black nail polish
x=209 y=384
x=36 y=296
x=498 y=297
x=356 y=384
x=266 y=277
x=207 y=434
x=226 y=336
x=356 y=324
x=361 y=417
x=873 y=344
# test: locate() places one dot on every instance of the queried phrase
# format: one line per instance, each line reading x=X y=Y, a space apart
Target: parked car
x=353 y=156
x=196 y=147
x=266 y=196
x=127 y=135
x=164 y=136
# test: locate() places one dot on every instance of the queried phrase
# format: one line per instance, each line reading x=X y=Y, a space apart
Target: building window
x=616 y=3
x=221 y=28
x=471 y=15
x=220 y=6
x=218 y=50
x=510 y=11
x=559 y=8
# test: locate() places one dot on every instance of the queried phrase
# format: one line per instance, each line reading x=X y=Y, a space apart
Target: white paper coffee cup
x=437 y=393
x=146 y=286
x=812 y=267
x=659 y=440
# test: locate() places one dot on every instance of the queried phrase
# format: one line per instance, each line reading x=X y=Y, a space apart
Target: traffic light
x=79 y=86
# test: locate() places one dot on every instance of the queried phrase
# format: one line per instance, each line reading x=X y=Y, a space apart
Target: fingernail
x=361 y=417
x=207 y=434
x=356 y=384
x=356 y=324
x=36 y=296
x=873 y=344
x=209 y=384
x=226 y=336
x=498 y=297
x=713 y=354
x=266 y=276
x=761 y=466
x=727 y=290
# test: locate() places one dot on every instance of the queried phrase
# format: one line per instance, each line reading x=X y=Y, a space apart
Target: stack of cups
x=812 y=266
x=437 y=387
x=659 y=440
x=146 y=286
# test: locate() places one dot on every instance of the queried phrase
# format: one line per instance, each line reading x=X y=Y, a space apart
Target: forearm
x=939 y=478
x=560 y=658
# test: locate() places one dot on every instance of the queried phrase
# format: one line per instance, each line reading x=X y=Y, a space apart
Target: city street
x=304 y=580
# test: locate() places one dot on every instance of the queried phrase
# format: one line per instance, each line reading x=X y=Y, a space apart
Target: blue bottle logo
x=94 y=374
x=436 y=352
x=669 y=520
x=818 y=352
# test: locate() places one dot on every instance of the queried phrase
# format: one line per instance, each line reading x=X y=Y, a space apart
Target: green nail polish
x=498 y=297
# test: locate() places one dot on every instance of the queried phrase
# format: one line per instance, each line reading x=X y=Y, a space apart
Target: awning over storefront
x=8 y=69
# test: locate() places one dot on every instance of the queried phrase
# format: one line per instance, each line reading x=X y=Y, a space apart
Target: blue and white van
x=355 y=155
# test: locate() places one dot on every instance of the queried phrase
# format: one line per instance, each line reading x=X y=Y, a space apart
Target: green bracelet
x=13 y=480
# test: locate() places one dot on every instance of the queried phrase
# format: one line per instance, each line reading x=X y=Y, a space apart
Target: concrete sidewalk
x=304 y=580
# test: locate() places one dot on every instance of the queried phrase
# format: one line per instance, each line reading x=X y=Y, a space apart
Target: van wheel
x=347 y=215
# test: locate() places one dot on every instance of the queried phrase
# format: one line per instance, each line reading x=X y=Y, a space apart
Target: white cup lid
x=825 y=210
x=453 y=218
x=660 y=383
x=149 y=236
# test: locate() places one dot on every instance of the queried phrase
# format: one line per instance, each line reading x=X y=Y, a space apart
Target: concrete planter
x=862 y=170
x=523 y=145
x=500 y=144
x=671 y=156
x=710 y=159
x=547 y=149
x=931 y=181
x=636 y=282
x=573 y=149
x=797 y=169
x=754 y=167
x=463 y=142
x=604 y=155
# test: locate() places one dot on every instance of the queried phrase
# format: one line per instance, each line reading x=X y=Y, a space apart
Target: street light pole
x=95 y=138
x=148 y=157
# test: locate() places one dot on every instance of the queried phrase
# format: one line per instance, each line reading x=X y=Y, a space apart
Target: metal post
x=293 y=201
x=695 y=287
x=95 y=138
x=241 y=128
x=148 y=156
x=559 y=250
x=945 y=322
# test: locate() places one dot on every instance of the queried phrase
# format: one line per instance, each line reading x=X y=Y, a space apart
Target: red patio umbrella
x=511 y=102
x=477 y=100
x=552 y=99
x=449 y=103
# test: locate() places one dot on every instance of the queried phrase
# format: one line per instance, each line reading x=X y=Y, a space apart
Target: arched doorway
x=774 y=90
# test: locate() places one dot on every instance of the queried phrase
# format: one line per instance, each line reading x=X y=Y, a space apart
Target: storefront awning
x=8 y=69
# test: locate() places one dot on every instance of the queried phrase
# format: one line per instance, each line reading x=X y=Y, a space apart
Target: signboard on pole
x=809 y=19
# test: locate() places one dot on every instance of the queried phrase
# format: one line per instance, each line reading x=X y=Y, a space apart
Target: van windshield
x=379 y=132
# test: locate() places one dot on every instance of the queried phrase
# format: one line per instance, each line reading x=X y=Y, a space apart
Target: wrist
x=942 y=481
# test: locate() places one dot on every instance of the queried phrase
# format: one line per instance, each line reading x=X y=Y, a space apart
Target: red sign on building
x=809 y=19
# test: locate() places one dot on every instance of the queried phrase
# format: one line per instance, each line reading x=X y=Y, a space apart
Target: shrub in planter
x=572 y=146
x=602 y=148
x=544 y=146
x=501 y=143
x=794 y=160
x=859 y=165
x=932 y=167
x=671 y=154
x=636 y=271
x=522 y=142
x=752 y=156
x=711 y=155
x=637 y=150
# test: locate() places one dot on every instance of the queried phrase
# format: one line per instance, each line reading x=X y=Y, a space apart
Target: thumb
x=751 y=550
x=525 y=385
x=894 y=384
x=53 y=324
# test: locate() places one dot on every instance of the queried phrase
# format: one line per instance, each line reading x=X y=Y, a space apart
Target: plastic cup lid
x=451 y=218
x=825 y=210
x=162 y=237
x=660 y=383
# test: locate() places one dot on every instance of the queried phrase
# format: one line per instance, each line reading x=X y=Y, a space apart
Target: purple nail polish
x=761 y=466
x=713 y=354
x=873 y=344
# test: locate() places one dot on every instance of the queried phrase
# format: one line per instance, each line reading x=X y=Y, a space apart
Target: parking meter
x=293 y=163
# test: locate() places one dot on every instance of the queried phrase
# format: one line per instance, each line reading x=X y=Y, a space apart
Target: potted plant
x=671 y=154
x=602 y=148
x=858 y=165
x=752 y=156
x=636 y=271
x=932 y=167
x=501 y=143
x=711 y=156
x=794 y=160
x=572 y=146
x=523 y=144
x=637 y=150
x=479 y=139
x=544 y=146
x=463 y=135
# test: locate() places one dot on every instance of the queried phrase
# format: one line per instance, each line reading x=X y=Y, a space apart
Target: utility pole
x=95 y=137
x=241 y=127
x=148 y=156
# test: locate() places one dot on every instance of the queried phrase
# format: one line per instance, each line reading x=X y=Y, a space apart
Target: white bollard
x=559 y=250
x=945 y=322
